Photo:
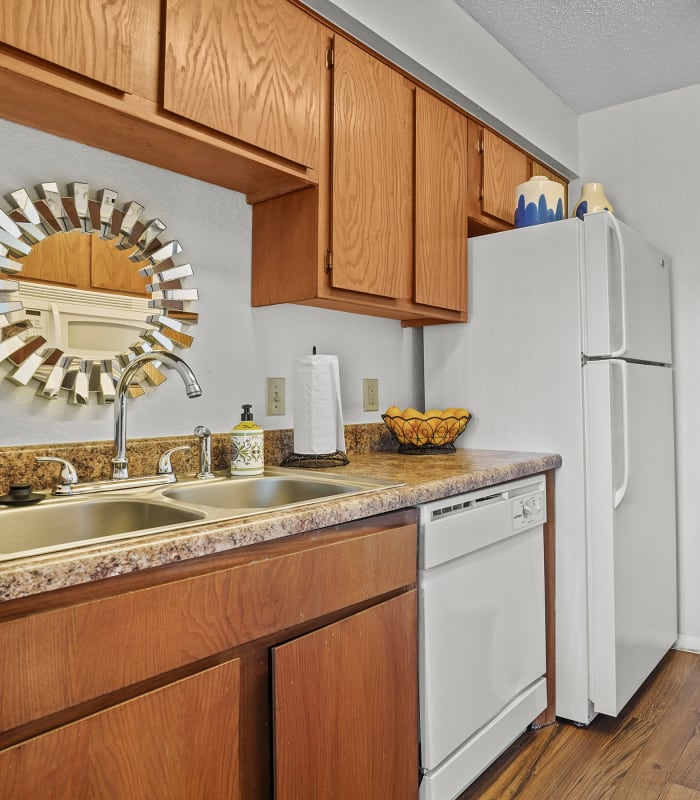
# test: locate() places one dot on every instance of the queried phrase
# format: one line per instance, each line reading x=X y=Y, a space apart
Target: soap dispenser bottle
x=247 y=445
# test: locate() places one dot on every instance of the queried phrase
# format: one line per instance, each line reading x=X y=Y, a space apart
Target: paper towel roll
x=316 y=404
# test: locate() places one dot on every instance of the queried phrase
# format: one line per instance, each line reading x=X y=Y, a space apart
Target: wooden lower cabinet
x=178 y=742
x=160 y=684
x=344 y=727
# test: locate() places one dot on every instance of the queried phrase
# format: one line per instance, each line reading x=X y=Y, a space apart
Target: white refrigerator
x=568 y=349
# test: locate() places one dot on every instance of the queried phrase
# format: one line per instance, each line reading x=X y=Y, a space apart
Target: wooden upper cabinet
x=384 y=232
x=372 y=175
x=249 y=68
x=441 y=204
x=496 y=168
x=504 y=168
x=99 y=39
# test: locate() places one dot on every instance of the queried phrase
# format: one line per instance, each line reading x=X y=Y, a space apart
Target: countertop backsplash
x=92 y=460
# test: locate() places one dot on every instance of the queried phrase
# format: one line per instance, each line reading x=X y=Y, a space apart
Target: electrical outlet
x=370 y=391
x=275 y=397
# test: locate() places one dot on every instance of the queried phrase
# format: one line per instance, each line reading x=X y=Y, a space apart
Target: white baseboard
x=690 y=643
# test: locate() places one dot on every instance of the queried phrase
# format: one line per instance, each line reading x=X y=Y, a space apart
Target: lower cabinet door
x=345 y=701
x=176 y=742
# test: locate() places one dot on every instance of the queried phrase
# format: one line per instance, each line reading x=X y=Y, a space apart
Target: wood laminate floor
x=650 y=752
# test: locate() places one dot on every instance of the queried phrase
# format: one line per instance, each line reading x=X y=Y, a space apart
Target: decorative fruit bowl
x=433 y=431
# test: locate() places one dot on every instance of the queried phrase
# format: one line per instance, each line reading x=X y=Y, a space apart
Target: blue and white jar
x=538 y=200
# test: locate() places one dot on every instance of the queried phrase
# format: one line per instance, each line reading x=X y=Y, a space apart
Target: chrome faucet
x=120 y=469
x=69 y=477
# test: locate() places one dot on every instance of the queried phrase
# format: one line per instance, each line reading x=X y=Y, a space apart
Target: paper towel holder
x=316 y=461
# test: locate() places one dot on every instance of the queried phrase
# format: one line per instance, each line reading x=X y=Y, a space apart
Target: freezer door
x=630 y=525
x=626 y=293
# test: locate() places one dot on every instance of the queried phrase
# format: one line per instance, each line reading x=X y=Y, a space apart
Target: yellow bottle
x=247 y=445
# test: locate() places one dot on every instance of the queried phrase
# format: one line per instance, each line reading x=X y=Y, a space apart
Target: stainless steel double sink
x=59 y=523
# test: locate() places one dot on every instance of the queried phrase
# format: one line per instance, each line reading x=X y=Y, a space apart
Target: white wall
x=236 y=346
x=451 y=45
x=646 y=153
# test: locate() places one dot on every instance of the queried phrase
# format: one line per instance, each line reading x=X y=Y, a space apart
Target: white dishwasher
x=481 y=639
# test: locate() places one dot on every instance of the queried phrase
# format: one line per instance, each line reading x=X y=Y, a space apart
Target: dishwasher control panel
x=528 y=510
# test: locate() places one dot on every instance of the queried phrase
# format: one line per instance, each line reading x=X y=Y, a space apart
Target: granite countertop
x=425 y=477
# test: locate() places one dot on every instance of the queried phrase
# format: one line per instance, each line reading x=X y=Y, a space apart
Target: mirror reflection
x=84 y=262
x=85 y=287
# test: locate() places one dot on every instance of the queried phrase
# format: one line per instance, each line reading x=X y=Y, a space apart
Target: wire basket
x=426 y=435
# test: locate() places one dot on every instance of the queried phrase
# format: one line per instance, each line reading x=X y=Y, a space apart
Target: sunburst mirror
x=85 y=287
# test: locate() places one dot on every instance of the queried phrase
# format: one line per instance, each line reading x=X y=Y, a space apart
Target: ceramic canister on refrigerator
x=538 y=200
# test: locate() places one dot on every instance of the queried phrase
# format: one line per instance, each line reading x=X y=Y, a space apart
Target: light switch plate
x=276 y=398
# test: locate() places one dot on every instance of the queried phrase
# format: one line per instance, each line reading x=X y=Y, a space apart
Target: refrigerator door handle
x=621 y=490
x=617 y=233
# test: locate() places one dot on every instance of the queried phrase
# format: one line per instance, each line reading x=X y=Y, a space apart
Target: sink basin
x=62 y=523
x=57 y=525
x=255 y=493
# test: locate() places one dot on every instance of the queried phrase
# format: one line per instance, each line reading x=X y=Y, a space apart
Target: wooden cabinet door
x=496 y=167
x=504 y=167
x=248 y=68
x=441 y=204
x=179 y=742
x=345 y=701
x=372 y=175
x=96 y=38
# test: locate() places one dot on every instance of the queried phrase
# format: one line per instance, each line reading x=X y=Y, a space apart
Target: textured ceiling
x=598 y=53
